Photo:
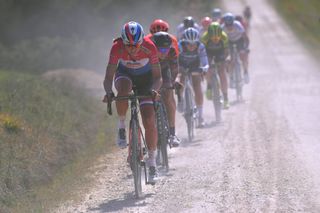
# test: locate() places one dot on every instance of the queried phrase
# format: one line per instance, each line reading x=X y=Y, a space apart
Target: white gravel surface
x=264 y=157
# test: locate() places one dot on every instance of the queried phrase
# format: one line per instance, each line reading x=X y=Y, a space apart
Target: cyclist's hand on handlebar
x=177 y=85
x=155 y=95
x=108 y=97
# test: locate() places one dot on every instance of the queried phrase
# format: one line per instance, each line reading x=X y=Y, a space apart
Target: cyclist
x=159 y=25
x=216 y=43
x=187 y=22
x=168 y=56
x=192 y=56
x=133 y=61
x=205 y=22
x=237 y=35
x=216 y=15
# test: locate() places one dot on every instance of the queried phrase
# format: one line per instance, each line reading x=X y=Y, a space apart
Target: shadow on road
x=121 y=204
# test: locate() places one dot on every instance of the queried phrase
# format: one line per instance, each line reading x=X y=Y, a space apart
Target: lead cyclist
x=133 y=61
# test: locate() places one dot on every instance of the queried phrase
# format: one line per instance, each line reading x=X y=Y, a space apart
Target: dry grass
x=304 y=18
x=45 y=125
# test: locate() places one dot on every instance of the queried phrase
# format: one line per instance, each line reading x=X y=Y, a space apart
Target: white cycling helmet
x=191 y=35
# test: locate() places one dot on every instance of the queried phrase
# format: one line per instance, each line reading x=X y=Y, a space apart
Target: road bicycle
x=137 y=143
x=190 y=110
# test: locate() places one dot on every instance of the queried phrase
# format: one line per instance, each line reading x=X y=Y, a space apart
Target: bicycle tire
x=163 y=136
x=216 y=97
x=189 y=114
x=136 y=157
x=238 y=80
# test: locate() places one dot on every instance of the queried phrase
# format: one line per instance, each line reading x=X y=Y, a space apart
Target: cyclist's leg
x=209 y=78
x=232 y=60
x=143 y=85
x=151 y=135
x=222 y=75
x=169 y=103
x=198 y=96
x=179 y=90
x=149 y=123
x=123 y=85
x=243 y=53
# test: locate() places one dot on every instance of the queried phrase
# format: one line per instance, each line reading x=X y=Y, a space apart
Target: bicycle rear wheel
x=163 y=136
x=189 y=114
x=216 y=97
x=135 y=161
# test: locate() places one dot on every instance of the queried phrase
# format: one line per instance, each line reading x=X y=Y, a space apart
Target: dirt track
x=263 y=158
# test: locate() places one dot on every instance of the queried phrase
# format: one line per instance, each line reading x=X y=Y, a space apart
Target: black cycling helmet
x=188 y=22
x=162 y=39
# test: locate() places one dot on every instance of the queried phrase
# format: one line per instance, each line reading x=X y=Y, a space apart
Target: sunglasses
x=163 y=50
x=191 y=43
x=133 y=45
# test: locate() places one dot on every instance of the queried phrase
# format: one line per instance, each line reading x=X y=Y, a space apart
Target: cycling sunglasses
x=133 y=45
x=164 y=50
x=191 y=42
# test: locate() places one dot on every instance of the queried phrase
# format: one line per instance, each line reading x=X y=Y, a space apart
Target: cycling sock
x=200 y=111
x=122 y=123
x=152 y=158
x=172 y=131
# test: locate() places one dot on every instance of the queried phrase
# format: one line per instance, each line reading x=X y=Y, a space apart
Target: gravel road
x=264 y=157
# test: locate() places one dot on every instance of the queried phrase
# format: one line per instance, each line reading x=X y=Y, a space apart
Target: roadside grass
x=50 y=132
x=304 y=18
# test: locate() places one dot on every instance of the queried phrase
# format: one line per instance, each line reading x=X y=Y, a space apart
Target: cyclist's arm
x=225 y=40
x=111 y=68
x=173 y=63
x=155 y=68
x=156 y=75
x=244 y=34
x=108 y=79
x=204 y=38
x=204 y=64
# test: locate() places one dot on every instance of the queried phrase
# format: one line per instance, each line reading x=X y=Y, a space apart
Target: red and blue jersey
x=137 y=64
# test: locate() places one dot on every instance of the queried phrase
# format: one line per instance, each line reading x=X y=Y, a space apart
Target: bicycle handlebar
x=127 y=97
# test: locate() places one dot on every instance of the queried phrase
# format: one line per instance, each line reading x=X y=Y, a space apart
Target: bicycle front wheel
x=136 y=157
x=216 y=97
x=189 y=114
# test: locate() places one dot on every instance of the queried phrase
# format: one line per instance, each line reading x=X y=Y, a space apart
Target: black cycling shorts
x=141 y=83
